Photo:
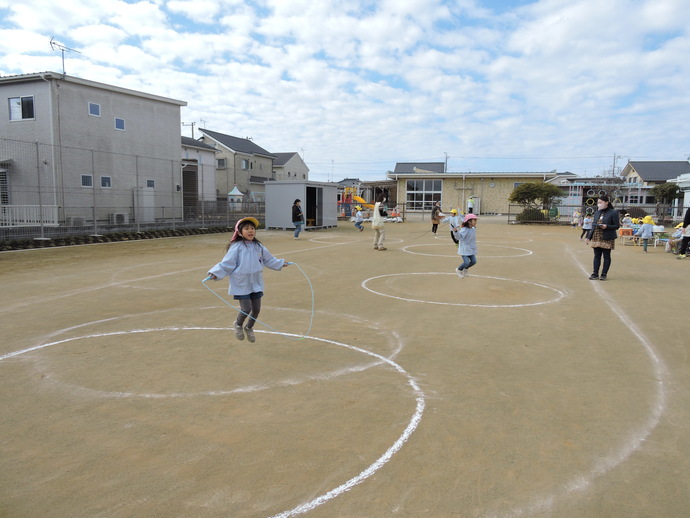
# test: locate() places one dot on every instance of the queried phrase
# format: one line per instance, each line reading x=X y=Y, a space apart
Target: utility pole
x=613 y=170
x=445 y=167
x=190 y=124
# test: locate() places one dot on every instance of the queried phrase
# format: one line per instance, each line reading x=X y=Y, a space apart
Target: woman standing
x=436 y=216
x=297 y=217
x=603 y=236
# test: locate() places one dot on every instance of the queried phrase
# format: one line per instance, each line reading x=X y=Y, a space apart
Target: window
x=245 y=164
x=106 y=182
x=422 y=194
x=150 y=184
x=86 y=180
x=119 y=124
x=221 y=163
x=95 y=109
x=21 y=108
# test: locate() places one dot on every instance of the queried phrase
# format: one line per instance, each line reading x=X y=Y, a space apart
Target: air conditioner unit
x=74 y=221
x=119 y=218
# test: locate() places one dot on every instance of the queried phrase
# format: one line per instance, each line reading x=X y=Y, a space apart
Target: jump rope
x=311 y=318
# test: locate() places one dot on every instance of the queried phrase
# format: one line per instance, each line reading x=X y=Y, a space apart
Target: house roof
x=55 y=76
x=660 y=171
x=190 y=142
x=236 y=144
x=282 y=158
x=422 y=167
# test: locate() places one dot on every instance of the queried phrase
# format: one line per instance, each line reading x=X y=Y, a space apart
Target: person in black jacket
x=686 y=236
x=297 y=217
x=603 y=236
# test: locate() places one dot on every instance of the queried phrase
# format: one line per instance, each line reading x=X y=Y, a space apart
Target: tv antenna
x=58 y=46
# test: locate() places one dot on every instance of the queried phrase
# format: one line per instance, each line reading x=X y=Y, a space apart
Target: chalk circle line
x=416 y=418
x=523 y=251
x=559 y=293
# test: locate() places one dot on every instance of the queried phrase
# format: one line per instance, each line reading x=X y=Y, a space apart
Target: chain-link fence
x=567 y=214
x=51 y=191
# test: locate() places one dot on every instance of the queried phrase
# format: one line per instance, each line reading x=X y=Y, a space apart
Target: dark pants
x=684 y=245
x=434 y=227
x=598 y=252
x=250 y=307
x=452 y=235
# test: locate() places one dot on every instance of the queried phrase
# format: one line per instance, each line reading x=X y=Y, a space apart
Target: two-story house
x=72 y=149
x=290 y=166
x=241 y=163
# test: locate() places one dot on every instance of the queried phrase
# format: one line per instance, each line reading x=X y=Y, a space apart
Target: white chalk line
x=559 y=293
x=349 y=484
x=324 y=376
x=527 y=252
x=636 y=438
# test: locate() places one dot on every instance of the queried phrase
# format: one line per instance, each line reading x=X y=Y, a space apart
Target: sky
x=355 y=86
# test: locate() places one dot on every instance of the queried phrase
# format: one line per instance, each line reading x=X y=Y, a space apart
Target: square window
x=151 y=184
x=86 y=180
x=222 y=164
x=95 y=109
x=119 y=124
x=245 y=164
x=21 y=108
x=106 y=182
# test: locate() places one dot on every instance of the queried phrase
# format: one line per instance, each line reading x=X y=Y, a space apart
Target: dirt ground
x=524 y=389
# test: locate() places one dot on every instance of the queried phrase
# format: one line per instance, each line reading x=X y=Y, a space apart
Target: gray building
x=239 y=162
x=290 y=166
x=319 y=204
x=73 y=150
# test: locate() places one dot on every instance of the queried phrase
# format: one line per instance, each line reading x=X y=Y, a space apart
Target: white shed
x=319 y=204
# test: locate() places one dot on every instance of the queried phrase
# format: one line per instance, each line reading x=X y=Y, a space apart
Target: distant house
x=420 y=184
x=75 y=151
x=241 y=163
x=198 y=176
x=640 y=177
x=289 y=166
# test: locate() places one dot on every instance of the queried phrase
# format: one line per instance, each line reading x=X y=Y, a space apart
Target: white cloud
x=361 y=84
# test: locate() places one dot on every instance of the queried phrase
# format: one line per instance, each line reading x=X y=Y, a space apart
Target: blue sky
x=356 y=86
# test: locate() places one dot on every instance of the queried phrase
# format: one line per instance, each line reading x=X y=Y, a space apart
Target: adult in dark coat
x=686 y=235
x=602 y=236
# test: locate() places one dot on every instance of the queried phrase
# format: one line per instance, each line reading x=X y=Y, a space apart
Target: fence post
x=93 y=187
x=40 y=197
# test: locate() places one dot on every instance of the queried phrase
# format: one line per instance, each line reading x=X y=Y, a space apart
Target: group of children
x=246 y=257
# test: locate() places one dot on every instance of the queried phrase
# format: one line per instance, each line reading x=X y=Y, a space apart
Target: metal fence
x=565 y=214
x=51 y=191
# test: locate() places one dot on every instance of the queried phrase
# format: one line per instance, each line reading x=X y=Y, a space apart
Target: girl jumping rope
x=244 y=261
x=467 y=248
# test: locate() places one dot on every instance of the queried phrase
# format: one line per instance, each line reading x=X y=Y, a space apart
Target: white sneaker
x=239 y=332
x=465 y=273
x=459 y=272
x=250 y=334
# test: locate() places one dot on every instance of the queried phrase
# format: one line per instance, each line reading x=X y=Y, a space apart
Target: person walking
x=586 y=225
x=467 y=247
x=297 y=217
x=378 y=221
x=645 y=232
x=602 y=236
x=244 y=261
x=436 y=216
x=470 y=205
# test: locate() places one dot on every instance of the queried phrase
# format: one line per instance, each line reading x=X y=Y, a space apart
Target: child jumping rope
x=467 y=248
x=244 y=261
